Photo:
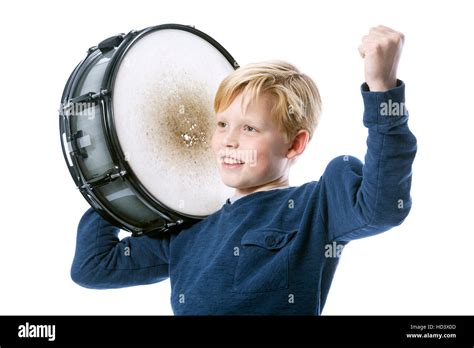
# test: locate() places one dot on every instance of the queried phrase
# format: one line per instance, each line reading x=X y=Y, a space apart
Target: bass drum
x=136 y=120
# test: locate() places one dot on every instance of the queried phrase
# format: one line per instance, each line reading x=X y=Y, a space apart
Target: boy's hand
x=381 y=49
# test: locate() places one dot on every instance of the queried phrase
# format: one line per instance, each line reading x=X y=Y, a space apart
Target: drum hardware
x=103 y=179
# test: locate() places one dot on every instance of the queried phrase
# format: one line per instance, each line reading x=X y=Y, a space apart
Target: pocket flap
x=269 y=238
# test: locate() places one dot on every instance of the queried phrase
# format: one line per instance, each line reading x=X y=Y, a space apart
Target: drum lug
x=165 y=228
x=107 y=177
x=176 y=223
x=91 y=97
x=111 y=43
x=77 y=143
x=132 y=33
x=91 y=50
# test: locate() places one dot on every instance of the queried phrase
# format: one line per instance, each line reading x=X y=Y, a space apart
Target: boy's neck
x=281 y=182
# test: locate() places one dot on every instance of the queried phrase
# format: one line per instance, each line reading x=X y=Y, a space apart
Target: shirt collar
x=232 y=199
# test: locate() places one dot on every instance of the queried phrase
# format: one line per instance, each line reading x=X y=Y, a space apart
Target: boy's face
x=250 y=148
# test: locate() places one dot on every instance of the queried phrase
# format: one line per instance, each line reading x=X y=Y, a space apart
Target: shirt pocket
x=263 y=261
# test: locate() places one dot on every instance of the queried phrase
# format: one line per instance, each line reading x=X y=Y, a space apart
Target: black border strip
x=139 y=330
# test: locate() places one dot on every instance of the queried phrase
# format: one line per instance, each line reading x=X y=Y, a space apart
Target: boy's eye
x=221 y=124
x=249 y=128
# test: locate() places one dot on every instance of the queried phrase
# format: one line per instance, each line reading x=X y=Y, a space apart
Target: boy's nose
x=230 y=139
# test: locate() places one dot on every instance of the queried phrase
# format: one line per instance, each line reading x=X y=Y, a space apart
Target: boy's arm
x=362 y=200
x=102 y=261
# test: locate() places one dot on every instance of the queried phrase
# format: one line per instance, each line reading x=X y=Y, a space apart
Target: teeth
x=228 y=160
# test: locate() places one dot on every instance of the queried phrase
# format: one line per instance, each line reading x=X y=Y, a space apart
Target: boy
x=265 y=251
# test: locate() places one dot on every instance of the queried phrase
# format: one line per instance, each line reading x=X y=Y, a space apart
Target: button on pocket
x=270 y=241
x=263 y=263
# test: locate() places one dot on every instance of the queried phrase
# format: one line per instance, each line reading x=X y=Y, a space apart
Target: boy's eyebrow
x=243 y=118
x=253 y=121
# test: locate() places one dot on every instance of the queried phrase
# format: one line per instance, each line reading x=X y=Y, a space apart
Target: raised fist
x=381 y=50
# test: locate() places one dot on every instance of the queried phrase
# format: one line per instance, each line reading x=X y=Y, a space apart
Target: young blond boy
x=266 y=250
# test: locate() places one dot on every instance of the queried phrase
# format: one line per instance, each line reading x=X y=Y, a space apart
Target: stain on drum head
x=162 y=99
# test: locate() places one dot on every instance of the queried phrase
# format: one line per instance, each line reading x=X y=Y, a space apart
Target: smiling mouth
x=231 y=161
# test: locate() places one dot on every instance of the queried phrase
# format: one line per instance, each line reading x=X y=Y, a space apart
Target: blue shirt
x=270 y=252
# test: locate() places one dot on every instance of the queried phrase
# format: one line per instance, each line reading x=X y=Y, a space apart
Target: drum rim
x=110 y=75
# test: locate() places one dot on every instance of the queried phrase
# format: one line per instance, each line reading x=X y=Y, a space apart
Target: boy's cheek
x=261 y=161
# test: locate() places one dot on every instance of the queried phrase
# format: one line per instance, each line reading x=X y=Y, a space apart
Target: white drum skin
x=162 y=100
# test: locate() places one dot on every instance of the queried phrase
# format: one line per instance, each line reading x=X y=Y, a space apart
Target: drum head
x=162 y=108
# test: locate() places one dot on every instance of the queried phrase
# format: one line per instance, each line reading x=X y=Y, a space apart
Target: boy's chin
x=240 y=187
x=233 y=184
x=230 y=184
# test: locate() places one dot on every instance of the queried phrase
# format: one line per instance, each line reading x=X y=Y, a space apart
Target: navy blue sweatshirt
x=270 y=252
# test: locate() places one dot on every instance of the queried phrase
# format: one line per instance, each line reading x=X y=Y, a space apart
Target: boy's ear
x=298 y=144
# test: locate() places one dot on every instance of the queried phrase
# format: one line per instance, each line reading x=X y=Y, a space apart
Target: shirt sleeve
x=359 y=200
x=102 y=261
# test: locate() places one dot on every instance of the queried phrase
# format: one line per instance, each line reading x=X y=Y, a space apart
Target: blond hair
x=296 y=99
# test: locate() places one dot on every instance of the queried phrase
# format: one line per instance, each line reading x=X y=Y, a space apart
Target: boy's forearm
x=391 y=149
x=103 y=261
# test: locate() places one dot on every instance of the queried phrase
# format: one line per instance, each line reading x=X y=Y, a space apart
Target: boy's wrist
x=381 y=86
x=384 y=107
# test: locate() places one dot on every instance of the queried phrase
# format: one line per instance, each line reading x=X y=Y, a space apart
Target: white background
x=425 y=266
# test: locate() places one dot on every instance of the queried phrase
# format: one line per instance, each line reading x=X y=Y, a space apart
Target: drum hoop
x=109 y=125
